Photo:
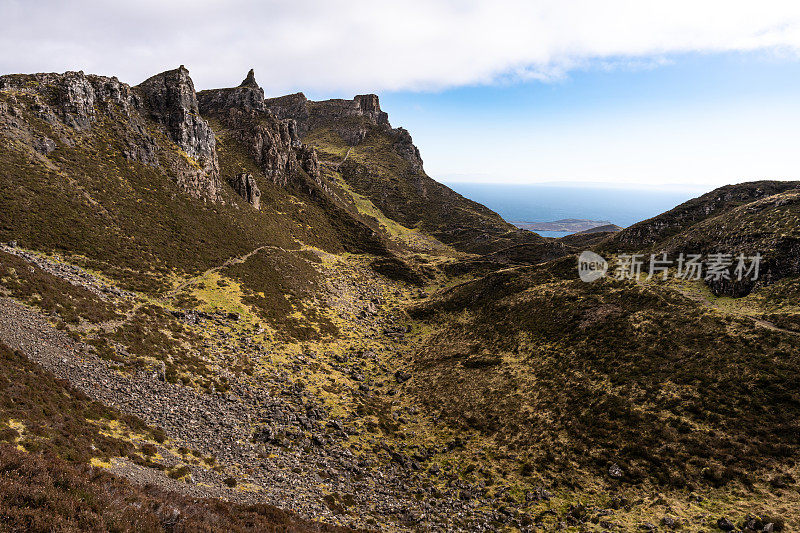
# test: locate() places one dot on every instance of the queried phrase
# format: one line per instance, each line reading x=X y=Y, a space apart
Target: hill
x=652 y=231
x=745 y=219
x=358 y=148
x=212 y=302
x=618 y=388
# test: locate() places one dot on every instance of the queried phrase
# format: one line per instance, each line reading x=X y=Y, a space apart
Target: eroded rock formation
x=274 y=143
x=351 y=119
x=72 y=97
x=246 y=187
x=79 y=107
x=170 y=100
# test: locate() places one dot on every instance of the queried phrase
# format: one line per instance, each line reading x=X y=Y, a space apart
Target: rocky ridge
x=274 y=143
x=171 y=101
x=351 y=119
x=74 y=102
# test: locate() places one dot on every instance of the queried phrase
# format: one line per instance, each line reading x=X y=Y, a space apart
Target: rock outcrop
x=250 y=80
x=72 y=104
x=247 y=96
x=405 y=146
x=370 y=108
x=351 y=119
x=78 y=107
x=246 y=187
x=292 y=106
x=170 y=100
x=73 y=97
x=274 y=143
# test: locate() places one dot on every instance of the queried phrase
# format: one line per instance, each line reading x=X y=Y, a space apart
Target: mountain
x=228 y=312
x=359 y=149
x=749 y=218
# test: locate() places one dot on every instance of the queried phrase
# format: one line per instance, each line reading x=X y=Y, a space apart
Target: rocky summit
x=222 y=311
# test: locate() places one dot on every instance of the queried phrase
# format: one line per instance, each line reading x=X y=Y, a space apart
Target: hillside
x=187 y=259
x=749 y=219
x=357 y=146
x=618 y=390
x=243 y=314
x=655 y=230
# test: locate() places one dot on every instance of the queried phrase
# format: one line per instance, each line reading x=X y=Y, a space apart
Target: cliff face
x=247 y=96
x=72 y=98
x=351 y=119
x=74 y=105
x=384 y=165
x=171 y=101
x=274 y=143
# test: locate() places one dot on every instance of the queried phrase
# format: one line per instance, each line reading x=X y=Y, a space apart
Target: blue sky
x=646 y=93
x=688 y=120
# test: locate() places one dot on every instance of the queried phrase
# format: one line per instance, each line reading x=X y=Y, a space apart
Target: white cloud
x=366 y=45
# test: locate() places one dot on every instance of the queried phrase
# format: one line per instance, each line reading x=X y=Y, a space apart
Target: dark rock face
x=73 y=104
x=274 y=142
x=248 y=96
x=370 y=107
x=250 y=80
x=404 y=146
x=73 y=97
x=292 y=106
x=170 y=100
x=351 y=119
x=246 y=187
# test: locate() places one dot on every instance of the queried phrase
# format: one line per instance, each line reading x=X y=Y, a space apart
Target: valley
x=238 y=301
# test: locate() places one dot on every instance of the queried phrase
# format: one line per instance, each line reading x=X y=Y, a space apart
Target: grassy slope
x=129 y=220
x=573 y=377
x=751 y=218
x=376 y=171
x=649 y=232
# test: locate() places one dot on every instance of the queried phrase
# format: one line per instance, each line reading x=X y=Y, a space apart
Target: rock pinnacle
x=250 y=80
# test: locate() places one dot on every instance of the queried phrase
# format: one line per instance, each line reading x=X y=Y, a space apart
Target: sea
x=548 y=203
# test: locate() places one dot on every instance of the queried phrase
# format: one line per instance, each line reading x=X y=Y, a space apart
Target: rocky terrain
x=214 y=302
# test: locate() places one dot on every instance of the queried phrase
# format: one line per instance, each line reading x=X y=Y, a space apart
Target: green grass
x=583 y=375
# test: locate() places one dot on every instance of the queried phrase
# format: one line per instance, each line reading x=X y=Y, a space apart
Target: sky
x=639 y=93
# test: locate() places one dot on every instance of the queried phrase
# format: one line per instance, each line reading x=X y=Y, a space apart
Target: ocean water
x=546 y=203
x=555 y=234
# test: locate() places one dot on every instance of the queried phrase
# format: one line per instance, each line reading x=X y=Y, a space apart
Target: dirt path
x=343 y=160
x=700 y=298
x=232 y=261
x=769 y=325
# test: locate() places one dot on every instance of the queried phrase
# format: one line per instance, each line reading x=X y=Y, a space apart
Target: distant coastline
x=567 y=225
x=551 y=204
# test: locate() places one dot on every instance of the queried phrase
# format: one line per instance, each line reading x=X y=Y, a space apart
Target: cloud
x=330 y=47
